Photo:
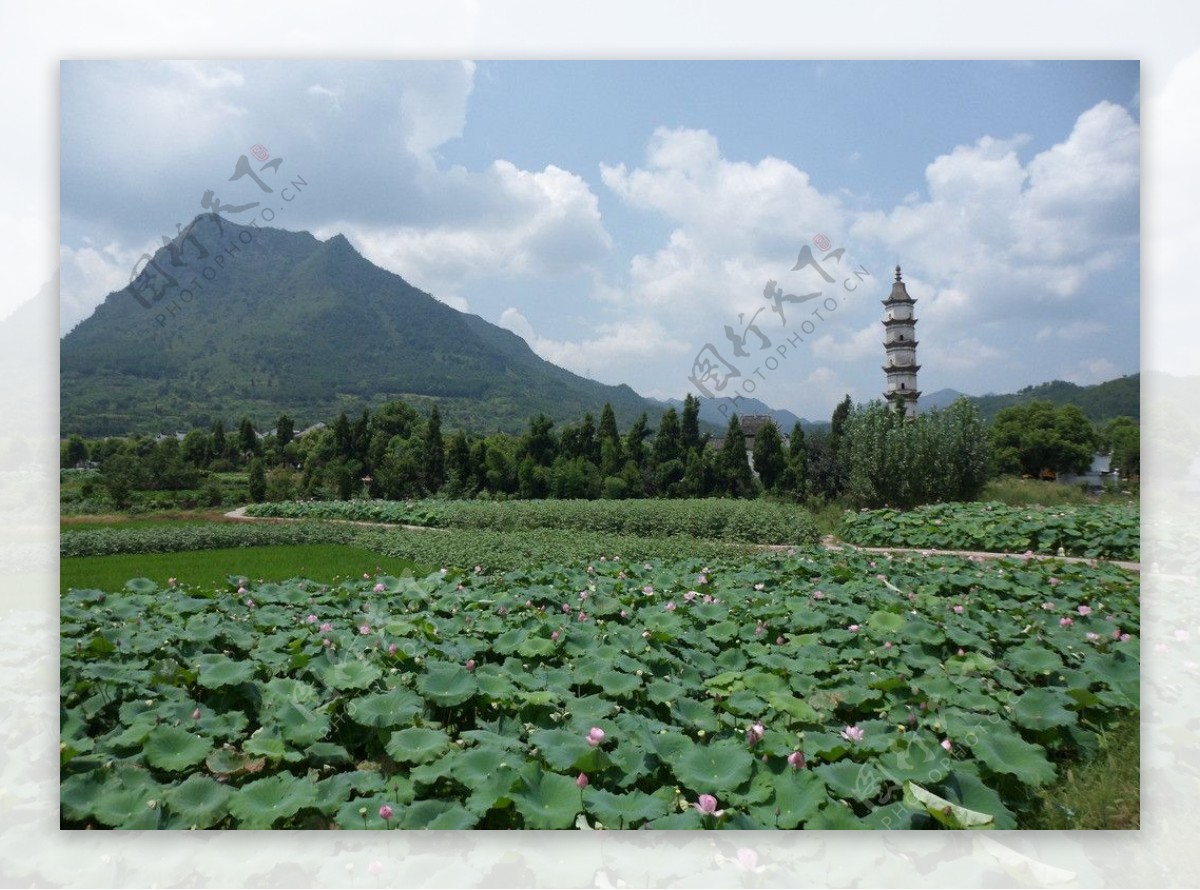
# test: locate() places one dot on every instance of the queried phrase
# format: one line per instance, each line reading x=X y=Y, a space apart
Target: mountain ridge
x=292 y=324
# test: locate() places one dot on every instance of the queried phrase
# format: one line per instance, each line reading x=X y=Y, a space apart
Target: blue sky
x=620 y=215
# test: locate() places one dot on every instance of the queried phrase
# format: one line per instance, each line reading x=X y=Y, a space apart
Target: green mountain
x=263 y=321
x=1101 y=402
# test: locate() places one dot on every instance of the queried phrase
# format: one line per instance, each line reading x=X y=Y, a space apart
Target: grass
x=1033 y=492
x=1099 y=794
x=324 y=563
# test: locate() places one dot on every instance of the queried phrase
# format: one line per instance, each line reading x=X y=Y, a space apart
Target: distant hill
x=291 y=324
x=1101 y=402
x=943 y=398
x=718 y=411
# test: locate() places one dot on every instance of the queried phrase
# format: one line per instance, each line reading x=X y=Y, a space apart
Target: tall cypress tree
x=689 y=424
x=434 y=453
x=769 y=459
x=736 y=478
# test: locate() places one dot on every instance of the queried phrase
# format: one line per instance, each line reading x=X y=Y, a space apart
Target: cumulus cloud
x=607 y=355
x=1008 y=234
x=537 y=224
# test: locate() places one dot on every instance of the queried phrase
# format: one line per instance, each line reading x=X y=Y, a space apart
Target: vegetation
x=209 y=569
x=893 y=460
x=1039 y=440
x=754 y=522
x=1103 y=531
x=229 y=352
x=721 y=694
x=1100 y=403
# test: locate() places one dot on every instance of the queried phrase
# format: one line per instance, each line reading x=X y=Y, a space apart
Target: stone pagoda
x=900 y=341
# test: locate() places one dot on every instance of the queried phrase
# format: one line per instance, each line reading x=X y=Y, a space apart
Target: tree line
x=870 y=456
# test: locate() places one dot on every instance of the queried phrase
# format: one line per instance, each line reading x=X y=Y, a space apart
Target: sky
x=627 y=218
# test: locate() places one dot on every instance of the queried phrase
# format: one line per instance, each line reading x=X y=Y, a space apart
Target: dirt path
x=829 y=542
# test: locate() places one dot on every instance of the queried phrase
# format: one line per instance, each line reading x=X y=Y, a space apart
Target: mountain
x=264 y=321
x=1100 y=402
x=717 y=412
x=943 y=398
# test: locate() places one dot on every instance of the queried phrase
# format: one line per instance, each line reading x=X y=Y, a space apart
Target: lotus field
x=804 y=689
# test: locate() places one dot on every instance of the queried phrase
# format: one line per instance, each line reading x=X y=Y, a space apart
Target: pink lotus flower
x=1054 y=582
x=581 y=781
x=755 y=734
x=1116 y=634
x=759 y=586
x=385 y=812
x=670 y=607
x=325 y=642
x=582 y=616
x=311 y=619
x=583 y=594
x=689 y=596
x=961 y=651
x=624 y=614
x=779 y=640
x=171 y=582
x=958 y=610
x=1084 y=610
x=327 y=627
x=1065 y=622
x=242 y=590
x=554 y=636
x=648 y=590
x=946 y=744
x=566 y=607
x=1092 y=637
x=391 y=649
x=196 y=714
x=1125 y=638
x=470 y=665
x=595 y=736
x=702 y=578
x=887 y=645
x=706 y=805
x=852 y=734
x=818 y=595
x=759 y=630
x=364 y=629
x=796 y=760
x=1049 y=607
x=853 y=628
x=250 y=603
x=379 y=588
x=708 y=598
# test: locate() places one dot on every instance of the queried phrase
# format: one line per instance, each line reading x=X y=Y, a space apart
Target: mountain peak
x=260 y=321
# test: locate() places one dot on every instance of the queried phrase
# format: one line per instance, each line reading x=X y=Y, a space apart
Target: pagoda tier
x=908 y=395
x=901 y=369
x=892 y=322
x=888 y=344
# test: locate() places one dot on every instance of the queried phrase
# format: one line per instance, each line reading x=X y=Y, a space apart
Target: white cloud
x=1093 y=370
x=862 y=344
x=537 y=224
x=88 y=274
x=606 y=356
x=1002 y=234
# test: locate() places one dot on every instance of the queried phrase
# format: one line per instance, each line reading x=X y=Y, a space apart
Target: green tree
x=1125 y=443
x=75 y=451
x=247 y=437
x=689 y=424
x=258 y=481
x=666 y=441
x=612 y=454
x=434 y=461
x=735 y=478
x=1036 y=438
x=285 y=430
x=769 y=459
x=635 y=441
